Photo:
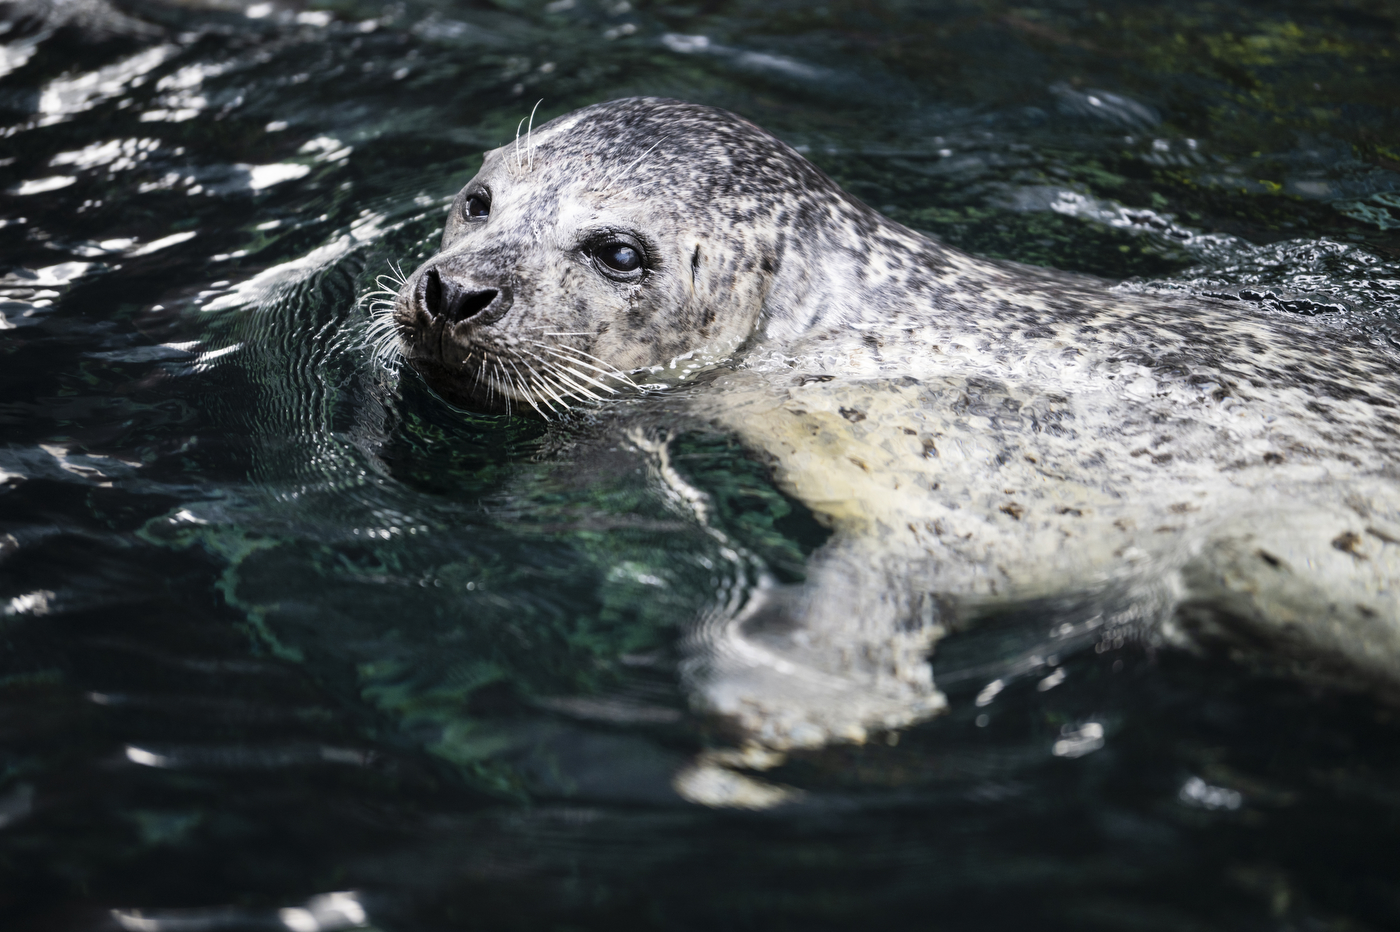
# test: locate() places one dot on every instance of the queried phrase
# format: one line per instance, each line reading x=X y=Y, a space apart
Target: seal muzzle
x=444 y=297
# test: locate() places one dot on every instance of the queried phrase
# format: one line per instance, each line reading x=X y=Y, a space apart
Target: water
x=288 y=643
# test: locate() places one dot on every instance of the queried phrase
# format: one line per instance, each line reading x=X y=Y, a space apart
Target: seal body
x=978 y=434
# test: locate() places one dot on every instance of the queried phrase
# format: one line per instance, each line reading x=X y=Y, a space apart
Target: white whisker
x=505 y=385
x=495 y=383
x=522 y=387
x=639 y=158
x=560 y=377
x=582 y=375
x=545 y=390
x=555 y=395
x=563 y=374
x=512 y=389
x=548 y=386
x=382 y=338
x=529 y=144
x=609 y=371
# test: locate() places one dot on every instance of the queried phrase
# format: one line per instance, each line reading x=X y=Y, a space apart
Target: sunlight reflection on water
x=346 y=636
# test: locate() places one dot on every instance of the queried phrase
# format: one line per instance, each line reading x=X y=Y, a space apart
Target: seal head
x=640 y=236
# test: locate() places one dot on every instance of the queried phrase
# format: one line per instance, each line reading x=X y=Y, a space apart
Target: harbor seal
x=978 y=434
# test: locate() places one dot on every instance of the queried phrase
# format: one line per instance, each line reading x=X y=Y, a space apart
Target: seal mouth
x=444 y=330
x=496 y=374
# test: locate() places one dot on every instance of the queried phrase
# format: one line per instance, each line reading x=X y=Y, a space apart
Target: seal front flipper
x=829 y=660
x=801 y=665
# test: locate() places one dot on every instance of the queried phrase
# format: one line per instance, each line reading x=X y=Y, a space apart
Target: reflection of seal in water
x=977 y=433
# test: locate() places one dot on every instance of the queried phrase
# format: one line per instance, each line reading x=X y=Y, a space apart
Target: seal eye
x=619 y=258
x=477 y=207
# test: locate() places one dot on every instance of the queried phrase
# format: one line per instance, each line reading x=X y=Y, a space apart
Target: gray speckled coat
x=976 y=432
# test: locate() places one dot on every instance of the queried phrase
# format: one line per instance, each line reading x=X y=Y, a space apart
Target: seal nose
x=444 y=297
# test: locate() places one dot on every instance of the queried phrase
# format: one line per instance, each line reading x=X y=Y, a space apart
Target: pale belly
x=951 y=496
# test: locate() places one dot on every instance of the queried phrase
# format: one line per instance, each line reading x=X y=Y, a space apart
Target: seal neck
x=857 y=268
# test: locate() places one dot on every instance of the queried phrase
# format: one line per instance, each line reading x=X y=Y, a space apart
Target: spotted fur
x=977 y=433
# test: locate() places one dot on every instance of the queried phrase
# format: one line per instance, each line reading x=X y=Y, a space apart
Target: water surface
x=290 y=643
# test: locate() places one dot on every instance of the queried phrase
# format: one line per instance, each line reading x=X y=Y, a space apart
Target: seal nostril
x=443 y=297
x=470 y=303
x=432 y=292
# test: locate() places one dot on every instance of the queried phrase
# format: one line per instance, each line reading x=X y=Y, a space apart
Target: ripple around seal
x=451 y=574
x=228 y=543
x=1344 y=284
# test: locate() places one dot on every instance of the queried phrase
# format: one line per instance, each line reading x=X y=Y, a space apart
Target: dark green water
x=287 y=643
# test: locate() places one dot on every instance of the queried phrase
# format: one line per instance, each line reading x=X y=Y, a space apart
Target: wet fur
x=977 y=433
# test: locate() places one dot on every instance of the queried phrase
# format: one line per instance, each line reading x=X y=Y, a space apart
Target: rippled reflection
x=329 y=912
x=279 y=622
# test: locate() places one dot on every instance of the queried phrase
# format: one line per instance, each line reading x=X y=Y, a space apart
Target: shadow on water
x=290 y=643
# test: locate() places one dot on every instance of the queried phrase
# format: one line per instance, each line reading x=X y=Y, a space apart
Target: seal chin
x=456 y=328
x=446 y=322
x=461 y=361
x=466 y=386
x=476 y=366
